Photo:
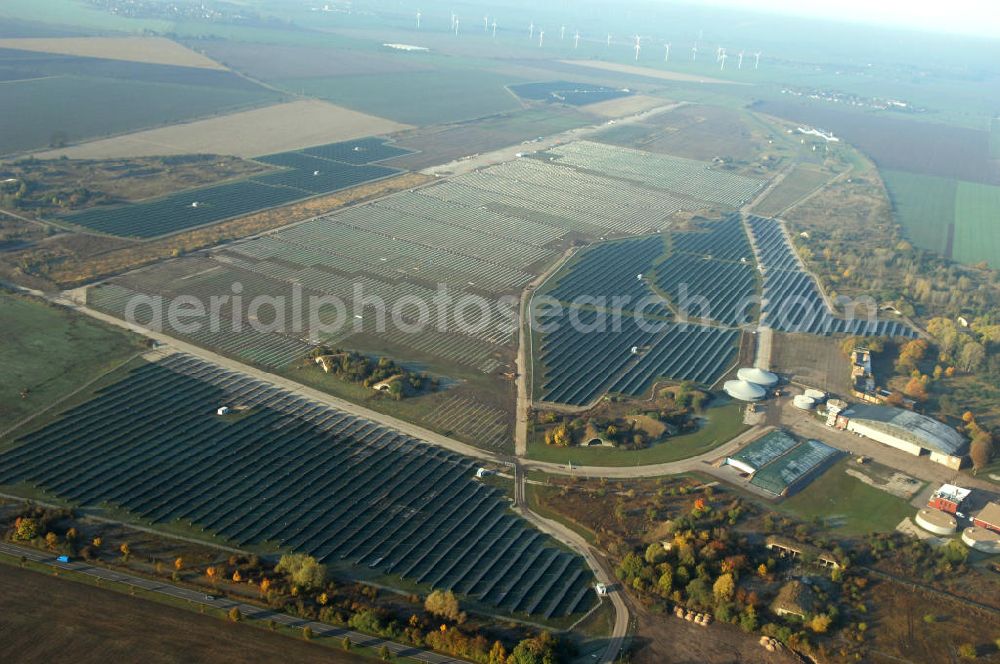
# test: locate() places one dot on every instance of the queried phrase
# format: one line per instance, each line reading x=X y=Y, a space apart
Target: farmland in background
x=150 y=50
x=995 y=138
x=925 y=206
x=895 y=143
x=977 y=224
x=301 y=476
x=446 y=96
x=109 y=97
x=281 y=127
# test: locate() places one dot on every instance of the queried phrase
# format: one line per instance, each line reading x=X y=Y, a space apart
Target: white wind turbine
x=756 y=62
x=562 y=32
x=541 y=38
x=722 y=59
x=418 y=19
x=576 y=40
x=486 y=24
x=531 y=30
x=666 y=56
x=739 y=63
x=694 y=53
x=456 y=25
x=453 y=18
x=609 y=39
x=638 y=47
x=494 y=28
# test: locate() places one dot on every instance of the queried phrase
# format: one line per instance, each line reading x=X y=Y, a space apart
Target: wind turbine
x=418 y=19
x=739 y=63
x=638 y=47
x=609 y=39
x=494 y=28
x=576 y=40
x=486 y=24
x=756 y=62
x=453 y=19
x=719 y=52
x=531 y=30
x=666 y=57
x=723 y=60
x=694 y=53
x=456 y=26
x=562 y=32
x=541 y=38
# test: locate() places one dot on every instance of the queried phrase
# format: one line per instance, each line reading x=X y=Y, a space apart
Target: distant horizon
x=968 y=18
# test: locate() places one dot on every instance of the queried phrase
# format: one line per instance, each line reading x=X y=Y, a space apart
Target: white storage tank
x=815 y=395
x=804 y=402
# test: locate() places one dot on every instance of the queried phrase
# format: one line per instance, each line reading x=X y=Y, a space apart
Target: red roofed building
x=988 y=517
x=948 y=498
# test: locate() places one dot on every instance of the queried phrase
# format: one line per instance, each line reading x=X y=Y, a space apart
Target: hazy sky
x=974 y=17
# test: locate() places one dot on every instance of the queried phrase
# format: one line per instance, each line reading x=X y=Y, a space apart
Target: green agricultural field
x=443 y=96
x=925 y=206
x=995 y=138
x=846 y=504
x=722 y=423
x=977 y=224
x=34 y=111
x=51 y=352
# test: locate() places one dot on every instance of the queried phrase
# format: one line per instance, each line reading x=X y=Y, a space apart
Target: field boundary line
x=62 y=399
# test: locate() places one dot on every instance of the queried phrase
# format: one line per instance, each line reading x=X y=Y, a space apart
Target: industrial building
x=778 y=463
x=905 y=430
x=988 y=517
x=949 y=498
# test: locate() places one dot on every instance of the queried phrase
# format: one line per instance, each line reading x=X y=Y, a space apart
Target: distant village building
x=904 y=430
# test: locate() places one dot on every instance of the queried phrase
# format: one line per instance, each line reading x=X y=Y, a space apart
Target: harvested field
x=648 y=72
x=802 y=181
x=566 y=92
x=35 y=116
x=277 y=128
x=99 y=625
x=616 y=108
x=150 y=50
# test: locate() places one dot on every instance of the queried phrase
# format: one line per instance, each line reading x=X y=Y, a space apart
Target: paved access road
x=249 y=611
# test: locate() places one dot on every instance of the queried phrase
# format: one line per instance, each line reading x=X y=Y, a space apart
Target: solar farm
x=613 y=333
x=485 y=233
x=778 y=463
x=284 y=472
x=792 y=301
x=687 y=177
x=318 y=170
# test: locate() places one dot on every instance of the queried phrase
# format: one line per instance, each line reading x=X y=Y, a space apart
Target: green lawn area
x=846 y=504
x=722 y=423
x=977 y=224
x=924 y=205
x=51 y=352
x=35 y=110
x=418 y=98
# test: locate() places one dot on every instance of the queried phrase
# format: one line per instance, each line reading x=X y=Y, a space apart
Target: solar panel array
x=297 y=474
x=319 y=170
x=686 y=177
x=792 y=301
